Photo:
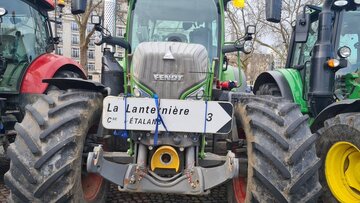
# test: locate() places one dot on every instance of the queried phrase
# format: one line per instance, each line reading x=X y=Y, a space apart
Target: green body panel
x=295 y=82
x=352 y=83
x=228 y=74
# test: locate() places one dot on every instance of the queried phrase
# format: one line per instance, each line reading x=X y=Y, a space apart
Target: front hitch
x=131 y=177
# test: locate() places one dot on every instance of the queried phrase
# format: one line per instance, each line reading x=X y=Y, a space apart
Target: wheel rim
x=91 y=186
x=342 y=166
x=239 y=188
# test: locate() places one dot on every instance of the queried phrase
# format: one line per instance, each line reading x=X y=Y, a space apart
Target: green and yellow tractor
x=170 y=99
x=323 y=78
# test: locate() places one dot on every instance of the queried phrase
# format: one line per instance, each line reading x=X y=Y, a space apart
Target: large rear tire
x=339 y=149
x=47 y=155
x=282 y=164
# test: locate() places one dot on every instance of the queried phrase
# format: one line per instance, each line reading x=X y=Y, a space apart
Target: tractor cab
x=345 y=42
x=187 y=40
x=176 y=21
x=24 y=35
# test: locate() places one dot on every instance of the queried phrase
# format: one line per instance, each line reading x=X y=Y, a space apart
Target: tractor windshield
x=23 y=37
x=349 y=36
x=186 y=21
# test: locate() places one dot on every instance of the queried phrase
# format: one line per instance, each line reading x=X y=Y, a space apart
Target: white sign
x=177 y=115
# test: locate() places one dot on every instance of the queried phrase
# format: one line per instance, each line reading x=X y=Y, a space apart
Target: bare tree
x=121 y=11
x=93 y=7
x=275 y=37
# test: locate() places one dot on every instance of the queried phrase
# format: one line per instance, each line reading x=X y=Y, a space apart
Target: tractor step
x=119 y=168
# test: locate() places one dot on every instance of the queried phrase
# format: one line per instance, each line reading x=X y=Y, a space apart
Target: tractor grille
x=170 y=68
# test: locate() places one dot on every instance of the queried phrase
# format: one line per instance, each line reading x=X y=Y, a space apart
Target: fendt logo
x=168 y=77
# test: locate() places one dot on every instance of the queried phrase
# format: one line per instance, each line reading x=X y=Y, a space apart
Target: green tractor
x=172 y=95
x=323 y=78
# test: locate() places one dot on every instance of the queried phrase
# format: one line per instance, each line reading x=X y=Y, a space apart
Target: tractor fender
x=44 y=67
x=77 y=83
x=345 y=106
x=277 y=78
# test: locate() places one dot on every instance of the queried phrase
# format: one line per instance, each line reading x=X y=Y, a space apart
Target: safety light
x=344 y=52
x=95 y=19
x=239 y=3
x=61 y=3
x=333 y=63
x=3 y=12
x=341 y=3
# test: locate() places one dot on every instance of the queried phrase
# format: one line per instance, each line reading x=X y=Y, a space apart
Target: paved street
x=217 y=195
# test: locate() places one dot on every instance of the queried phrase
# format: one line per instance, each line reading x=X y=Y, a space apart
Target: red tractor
x=26 y=58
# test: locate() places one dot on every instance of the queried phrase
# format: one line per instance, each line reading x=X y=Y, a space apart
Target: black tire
x=269 y=89
x=343 y=127
x=282 y=165
x=47 y=155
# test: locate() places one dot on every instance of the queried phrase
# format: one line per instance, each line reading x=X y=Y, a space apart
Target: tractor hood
x=170 y=68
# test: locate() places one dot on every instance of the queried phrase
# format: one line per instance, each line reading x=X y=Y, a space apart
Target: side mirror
x=78 y=6
x=302 y=28
x=250 y=29
x=273 y=10
x=96 y=20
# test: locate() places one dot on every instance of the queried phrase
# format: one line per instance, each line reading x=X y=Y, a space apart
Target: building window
x=74 y=26
x=75 y=39
x=89 y=28
x=59 y=26
x=119 y=31
x=75 y=52
x=59 y=35
x=91 y=54
x=91 y=67
x=91 y=43
x=59 y=50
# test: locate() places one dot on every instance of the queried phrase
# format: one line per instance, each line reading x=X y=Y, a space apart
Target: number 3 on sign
x=209 y=117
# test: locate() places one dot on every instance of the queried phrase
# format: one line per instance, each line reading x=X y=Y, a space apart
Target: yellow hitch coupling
x=165 y=157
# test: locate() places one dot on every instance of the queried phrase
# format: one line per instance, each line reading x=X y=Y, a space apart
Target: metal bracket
x=109 y=170
x=135 y=178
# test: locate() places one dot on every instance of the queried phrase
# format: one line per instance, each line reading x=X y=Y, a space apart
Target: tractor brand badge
x=168 y=77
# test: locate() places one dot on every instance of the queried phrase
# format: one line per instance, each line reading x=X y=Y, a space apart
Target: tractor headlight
x=341 y=3
x=357 y=1
x=140 y=93
x=344 y=52
x=3 y=12
x=248 y=47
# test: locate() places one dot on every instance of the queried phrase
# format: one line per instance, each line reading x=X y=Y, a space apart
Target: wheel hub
x=342 y=166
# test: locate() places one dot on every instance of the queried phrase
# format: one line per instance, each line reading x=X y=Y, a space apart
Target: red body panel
x=51 y=3
x=45 y=67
